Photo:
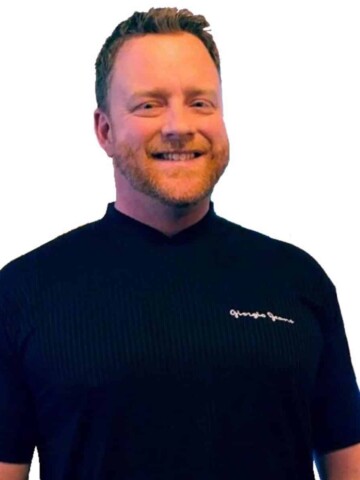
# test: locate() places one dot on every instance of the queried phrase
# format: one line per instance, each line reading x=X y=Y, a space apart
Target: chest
x=102 y=328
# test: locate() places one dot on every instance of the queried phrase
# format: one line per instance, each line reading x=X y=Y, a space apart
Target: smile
x=177 y=156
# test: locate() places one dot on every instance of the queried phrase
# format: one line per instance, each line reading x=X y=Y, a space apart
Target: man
x=162 y=341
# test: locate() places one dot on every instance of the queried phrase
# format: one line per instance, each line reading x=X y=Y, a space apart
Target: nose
x=178 y=122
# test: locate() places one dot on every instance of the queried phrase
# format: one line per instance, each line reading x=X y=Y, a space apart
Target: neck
x=169 y=220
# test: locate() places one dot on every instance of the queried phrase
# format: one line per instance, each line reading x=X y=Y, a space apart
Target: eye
x=150 y=108
x=147 y=106
x=204 y=105
x=200 y=103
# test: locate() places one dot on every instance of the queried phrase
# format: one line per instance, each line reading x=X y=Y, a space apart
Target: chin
x=181 y=201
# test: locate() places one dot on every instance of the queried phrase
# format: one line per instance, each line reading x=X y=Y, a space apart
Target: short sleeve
x=336 y=401
x=17 y=419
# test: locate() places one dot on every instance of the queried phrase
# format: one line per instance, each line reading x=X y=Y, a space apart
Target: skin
x=343 y=464
x=164 y=96
x=171 y=196
x=13 y=471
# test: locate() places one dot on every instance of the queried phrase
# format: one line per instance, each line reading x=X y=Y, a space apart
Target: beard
x=178 y=186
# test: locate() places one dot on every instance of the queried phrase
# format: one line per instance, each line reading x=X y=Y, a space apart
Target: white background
x=291 y=81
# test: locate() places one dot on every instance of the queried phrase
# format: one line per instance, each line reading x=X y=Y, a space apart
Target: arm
x=341 y=464
x=13 y=471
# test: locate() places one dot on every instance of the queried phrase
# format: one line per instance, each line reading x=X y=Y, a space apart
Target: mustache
x=178 y=144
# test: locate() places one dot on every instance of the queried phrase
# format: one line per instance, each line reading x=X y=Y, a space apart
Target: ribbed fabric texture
x=213 y=354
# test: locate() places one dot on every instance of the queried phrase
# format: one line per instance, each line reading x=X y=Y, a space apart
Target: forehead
x=163 y=61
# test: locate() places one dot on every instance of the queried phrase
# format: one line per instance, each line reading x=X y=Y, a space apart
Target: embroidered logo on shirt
x=256 y=315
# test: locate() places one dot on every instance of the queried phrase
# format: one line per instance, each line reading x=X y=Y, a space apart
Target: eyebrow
x=162 y=92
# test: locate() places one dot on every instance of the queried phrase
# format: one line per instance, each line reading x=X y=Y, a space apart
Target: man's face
x=164 y=127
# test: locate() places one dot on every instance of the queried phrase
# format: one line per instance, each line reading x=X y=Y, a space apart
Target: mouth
x=177 y=156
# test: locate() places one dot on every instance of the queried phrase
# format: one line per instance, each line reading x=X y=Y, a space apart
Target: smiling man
x=163 y=126
x=163 y=341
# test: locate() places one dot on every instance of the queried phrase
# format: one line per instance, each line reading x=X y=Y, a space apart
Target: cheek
x=137 y=133
x=216 y=131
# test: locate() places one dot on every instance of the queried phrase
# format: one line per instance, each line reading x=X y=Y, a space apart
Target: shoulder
x=275 y=258
x=55 y=256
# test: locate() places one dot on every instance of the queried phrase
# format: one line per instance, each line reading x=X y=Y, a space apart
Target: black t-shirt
x=218 y=353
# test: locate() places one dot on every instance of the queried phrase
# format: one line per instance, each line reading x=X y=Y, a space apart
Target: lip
x=160 y=155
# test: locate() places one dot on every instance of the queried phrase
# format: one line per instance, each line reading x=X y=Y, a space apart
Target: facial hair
x=180 y=187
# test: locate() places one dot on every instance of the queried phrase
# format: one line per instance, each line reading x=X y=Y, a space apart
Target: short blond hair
x=156 y=20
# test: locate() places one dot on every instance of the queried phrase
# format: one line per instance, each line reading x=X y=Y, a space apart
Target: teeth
x=178 y=156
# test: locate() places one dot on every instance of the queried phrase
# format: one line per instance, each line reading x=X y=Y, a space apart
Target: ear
x=103 y=131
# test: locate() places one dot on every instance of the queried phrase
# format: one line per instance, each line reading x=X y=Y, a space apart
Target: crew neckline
x=129 y=225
